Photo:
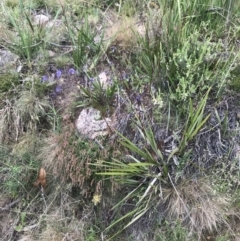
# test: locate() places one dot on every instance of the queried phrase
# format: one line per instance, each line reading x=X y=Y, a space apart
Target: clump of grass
x=31 y=108
x=38 y=86
x=23 y=112
x=235 y=84
x=18 y=173
x=11 y=3
x=99 y=97
x=29 y=37
x=121 y=31
x=8 y=81
x=176 y=56
x=86 y=46
x=64 y=218
x=62 y=61
x=29 y=142
x=197 y=205
x=69 y=158
x=171 y=231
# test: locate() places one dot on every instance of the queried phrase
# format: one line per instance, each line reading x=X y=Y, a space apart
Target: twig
x=42 y=194
x=99 y=144
x=34 y=45
x=59 y=45
x=7 y=207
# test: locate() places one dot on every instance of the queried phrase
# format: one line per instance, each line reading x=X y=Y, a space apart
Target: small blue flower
x=91 y=79
x=71 y=71
x=44 y=79
x=58 y=73
x=58 y=89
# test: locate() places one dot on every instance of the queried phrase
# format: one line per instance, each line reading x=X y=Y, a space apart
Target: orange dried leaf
x=41 y=179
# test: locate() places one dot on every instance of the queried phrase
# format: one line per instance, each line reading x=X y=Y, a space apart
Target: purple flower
x=58 y=73
x=71 y=71
x=58 y=89
x=44 y=79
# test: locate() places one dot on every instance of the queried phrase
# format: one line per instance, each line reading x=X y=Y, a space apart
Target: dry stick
x=7 y=207
x=101 y=146
x=43 y=197
x=59 y=45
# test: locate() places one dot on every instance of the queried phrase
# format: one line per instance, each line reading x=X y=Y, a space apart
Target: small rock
x=141 y=29
x=8 y=60
x=51 y=53
x=54 y=23
x=40 y=19
x=238 y=115
x=90 y=125
x=104 y=80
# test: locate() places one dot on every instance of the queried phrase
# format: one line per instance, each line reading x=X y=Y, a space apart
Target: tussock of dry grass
x=29 y=142
x=123 y=31
x=21 y=114
x=69 y=160
x=9 y=123
x=52 y=232
x=57 y=227
x=31 y=108
x=6 y=34
x=196 y=205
